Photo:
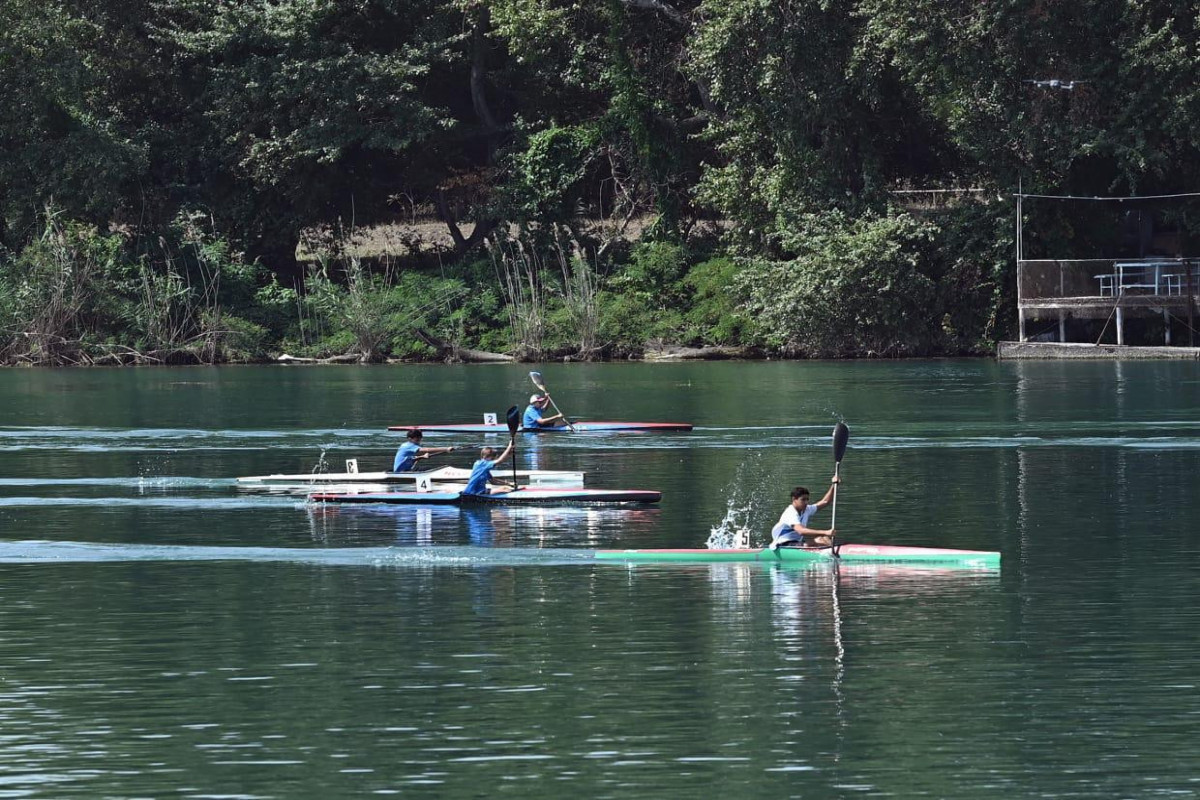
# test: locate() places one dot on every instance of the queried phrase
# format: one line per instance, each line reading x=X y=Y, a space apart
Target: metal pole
x=1190 y=269
x=1062 y=315
x=1020 y=225
x=1020 y=276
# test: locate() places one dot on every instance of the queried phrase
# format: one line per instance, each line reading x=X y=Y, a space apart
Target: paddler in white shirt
x=792 y=528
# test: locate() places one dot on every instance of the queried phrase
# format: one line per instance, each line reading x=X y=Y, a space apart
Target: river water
x=165 y=634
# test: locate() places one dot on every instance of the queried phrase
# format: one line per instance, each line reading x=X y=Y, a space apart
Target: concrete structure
x=1013 y=351
x=1111 y=290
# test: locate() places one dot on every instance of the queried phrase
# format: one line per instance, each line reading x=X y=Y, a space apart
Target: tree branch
x=479 y=71
x=659 y=7
x=463 y=244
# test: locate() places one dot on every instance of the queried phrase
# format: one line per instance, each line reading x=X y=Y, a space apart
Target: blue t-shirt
x=406 y=457
x=481 y=473
x=532 y=418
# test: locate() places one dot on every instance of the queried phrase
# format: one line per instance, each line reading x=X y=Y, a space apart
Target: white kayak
x=531 y=477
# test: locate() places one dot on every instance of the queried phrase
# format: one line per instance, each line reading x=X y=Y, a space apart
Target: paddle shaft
x=448 y=450
x=841 y=437
x=513 y=419
x=558 y=411
x=833 y=503
x=536 y=377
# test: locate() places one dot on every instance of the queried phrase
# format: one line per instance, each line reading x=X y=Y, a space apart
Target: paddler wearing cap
x=534 y=413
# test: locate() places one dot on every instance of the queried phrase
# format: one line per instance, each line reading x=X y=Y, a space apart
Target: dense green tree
x=313 y=111
x=58 y=139
x=809 y=118
x=591 y=133
x=1102 y=102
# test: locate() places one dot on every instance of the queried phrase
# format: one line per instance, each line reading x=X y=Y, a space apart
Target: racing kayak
x=534 y=477
x=580 y=427
x=849 y=553
x=522 y=496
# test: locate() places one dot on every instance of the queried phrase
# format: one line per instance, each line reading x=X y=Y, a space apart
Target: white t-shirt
x=791 y=516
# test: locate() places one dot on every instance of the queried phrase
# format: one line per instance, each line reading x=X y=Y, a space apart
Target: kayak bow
x=849 y=553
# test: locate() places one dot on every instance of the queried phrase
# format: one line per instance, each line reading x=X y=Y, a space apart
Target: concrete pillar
x=1062 y=325
x=1021 y=323
x=1167 y=326
x=1120 y=326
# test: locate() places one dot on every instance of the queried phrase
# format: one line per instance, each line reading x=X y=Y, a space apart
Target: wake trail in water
x=202 y=503
x=133 y=482
x=1172 y=434
x=44 y=552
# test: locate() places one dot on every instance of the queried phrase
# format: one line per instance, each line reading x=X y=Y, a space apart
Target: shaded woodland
x=191 y=181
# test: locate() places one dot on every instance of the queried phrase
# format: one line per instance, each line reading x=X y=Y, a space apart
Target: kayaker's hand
x=835 y=479
x=832 y=532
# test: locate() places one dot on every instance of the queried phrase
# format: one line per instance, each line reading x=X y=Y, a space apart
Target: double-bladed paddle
x=536 y=377
x=513 y=418
x=841 y=436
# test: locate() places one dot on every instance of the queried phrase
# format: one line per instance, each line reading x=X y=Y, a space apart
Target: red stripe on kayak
x=582 y=426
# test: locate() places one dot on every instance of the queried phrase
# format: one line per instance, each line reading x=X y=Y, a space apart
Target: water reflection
x=331 y=524
x=277 y=650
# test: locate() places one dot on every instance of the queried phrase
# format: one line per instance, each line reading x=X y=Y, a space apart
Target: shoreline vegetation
x=530 y=180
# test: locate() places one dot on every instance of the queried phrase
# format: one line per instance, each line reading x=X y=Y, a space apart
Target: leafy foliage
x=854 y=287
x=183 y=146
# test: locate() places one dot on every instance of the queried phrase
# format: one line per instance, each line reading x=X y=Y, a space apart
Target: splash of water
x=322 y=465
x=734 y=529
x=746 y=493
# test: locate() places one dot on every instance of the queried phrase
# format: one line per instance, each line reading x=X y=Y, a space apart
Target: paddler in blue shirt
x=533 y=417
x=481 y=471
x=410 y=451
x=792 y=528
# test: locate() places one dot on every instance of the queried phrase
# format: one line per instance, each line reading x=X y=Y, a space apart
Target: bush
x=376 y=316
x=854 y=288
x=653 y=273
x=55 y=296
x=714 y=316
x=976 y=284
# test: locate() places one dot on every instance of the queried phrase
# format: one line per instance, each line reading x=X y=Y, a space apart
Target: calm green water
x=163 y=634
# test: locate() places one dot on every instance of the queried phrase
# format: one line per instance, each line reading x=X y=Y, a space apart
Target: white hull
x=531 y=477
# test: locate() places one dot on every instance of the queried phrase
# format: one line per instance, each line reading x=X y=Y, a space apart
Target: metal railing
x=1078 y=279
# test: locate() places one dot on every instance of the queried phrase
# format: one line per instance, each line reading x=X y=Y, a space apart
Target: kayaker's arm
x=504 y=455
x=813 y=531
x=824 y=501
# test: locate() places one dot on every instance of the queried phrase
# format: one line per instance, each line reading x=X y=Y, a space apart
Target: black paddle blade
x=841 y=435
x=513 y=417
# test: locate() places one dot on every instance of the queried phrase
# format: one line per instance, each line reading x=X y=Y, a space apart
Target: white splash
x=734 y=529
